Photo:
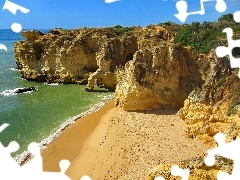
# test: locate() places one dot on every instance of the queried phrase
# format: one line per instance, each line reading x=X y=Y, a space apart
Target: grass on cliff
x=120 y=30
x=203 y=37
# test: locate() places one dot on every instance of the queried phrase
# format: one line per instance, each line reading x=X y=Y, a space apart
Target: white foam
x=52 y=84
x=26 y=154
x=14 y=69
x=12 y=92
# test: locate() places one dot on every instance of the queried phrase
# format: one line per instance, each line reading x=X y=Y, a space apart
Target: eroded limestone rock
x=207 y=110
x=160 y=77
x=89 y=55
x=32 y=35
x=66 y=57
x=198 y=170
x=112 y=54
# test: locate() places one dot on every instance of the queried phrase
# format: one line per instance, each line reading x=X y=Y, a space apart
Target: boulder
x=26 y=89
x=32 y=35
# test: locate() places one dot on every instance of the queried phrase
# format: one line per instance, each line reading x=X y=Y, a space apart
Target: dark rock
x=22 y=90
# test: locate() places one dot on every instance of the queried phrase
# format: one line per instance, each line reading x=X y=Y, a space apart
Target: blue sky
x=48 y=14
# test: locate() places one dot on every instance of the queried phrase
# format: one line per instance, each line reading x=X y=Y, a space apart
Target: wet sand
x=115 y=144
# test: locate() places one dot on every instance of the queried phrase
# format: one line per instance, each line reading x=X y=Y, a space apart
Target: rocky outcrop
x=32 y=35
x=87 y=56
x=61 y=56
x=26 y=89
x=198 y=170
x=210 y=109
x=213 y=107
x=112 y=54
x=159 y=77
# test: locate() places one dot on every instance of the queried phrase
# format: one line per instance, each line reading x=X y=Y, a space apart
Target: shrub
x=120 y=31
x=203 y=37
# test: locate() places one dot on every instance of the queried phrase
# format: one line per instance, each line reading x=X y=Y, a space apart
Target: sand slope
x=114 y=144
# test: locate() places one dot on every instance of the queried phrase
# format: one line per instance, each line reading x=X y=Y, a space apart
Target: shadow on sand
x=160 y=111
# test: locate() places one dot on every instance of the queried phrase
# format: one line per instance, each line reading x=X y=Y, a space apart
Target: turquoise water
x=34 y=116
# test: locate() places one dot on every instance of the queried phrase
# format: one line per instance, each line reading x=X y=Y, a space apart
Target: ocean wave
x=52 y=84
x=12 y=92
x=21 y=158
x=14 y=69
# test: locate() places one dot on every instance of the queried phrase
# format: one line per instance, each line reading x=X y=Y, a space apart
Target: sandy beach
x=115 y=144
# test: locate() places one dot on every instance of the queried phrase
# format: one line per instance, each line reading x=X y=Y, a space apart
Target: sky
x=71 y=14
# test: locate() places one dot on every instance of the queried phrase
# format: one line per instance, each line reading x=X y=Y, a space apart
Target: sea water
x=33 y=116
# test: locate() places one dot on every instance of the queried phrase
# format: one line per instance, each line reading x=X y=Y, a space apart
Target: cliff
x=158 y=77
x=212 y=108
x=84 y=56
x=60 y=56
x=147 y=71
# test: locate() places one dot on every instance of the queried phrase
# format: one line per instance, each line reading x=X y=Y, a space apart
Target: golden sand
x=114 y=144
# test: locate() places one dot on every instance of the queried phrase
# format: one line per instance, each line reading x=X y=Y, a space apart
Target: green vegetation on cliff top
x=204 y=37
x=120 y=30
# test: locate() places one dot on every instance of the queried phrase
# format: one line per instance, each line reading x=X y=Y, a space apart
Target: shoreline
x=110 y=143
x=116 y=144
x=24 y=156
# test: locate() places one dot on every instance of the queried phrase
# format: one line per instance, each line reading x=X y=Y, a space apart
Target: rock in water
x=22 y=90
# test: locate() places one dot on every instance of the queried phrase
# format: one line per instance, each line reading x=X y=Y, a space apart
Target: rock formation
x=32 y=35
x=86 y=56
x=198 y=170
x=160 y=77
x=112 y=54
x=26 y=89
x=213 y=107
x=147 y=71
x=60 y=56
x=210 y=109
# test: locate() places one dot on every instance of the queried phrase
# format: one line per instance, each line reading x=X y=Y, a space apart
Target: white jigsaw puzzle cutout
x=222 y=51
x=33 y=169
x=12 y=7
x=111 y=1
x=177 y=171
x=228 y=150
x=182 y=7
x=16 y=27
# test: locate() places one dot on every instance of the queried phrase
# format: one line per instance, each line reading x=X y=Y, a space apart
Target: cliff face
x=147 y=71
x=88 y=56
x=160 y=77
x=214 y=107
x=112 y=54
x=208 y=110
x=60 y=56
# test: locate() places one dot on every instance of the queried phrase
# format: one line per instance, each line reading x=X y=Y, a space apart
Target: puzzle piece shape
x=85 y=178
x=35 y=164
x=7 y=163
x=182 y=6
x=159 y=178
x=222 y=51
x=228 y=150
x=176 y=171
x=5 y=125
x=183 y=173
x=12 y=7
x=111 y=1
x=33 y=169
x=236 y=16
